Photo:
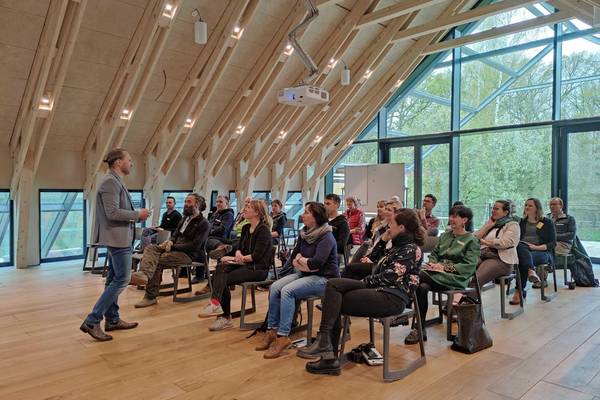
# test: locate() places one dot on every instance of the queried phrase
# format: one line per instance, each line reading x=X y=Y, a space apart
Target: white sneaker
x=220 y=324
x=210 y=310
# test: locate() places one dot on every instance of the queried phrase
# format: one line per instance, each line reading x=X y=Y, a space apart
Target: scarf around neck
x=311 y=236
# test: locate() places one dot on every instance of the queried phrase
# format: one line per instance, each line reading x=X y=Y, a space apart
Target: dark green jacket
x=460 y=255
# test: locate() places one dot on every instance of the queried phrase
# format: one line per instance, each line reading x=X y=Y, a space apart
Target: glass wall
x=293 y=206
x=6 y=229
x=179 y=196
x=512 y=165
x=580 y=84
x=406 y=155
x=62 y=224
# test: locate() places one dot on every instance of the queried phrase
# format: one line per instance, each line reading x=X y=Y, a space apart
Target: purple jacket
x=322 y=255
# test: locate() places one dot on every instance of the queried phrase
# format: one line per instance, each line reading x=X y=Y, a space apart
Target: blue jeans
x=117 y=279
x=529 y=259
x=283 y=295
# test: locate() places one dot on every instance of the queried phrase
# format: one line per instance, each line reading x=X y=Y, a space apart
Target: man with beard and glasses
x=183 y=248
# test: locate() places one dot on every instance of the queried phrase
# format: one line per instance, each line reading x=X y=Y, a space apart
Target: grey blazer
x=115 y=217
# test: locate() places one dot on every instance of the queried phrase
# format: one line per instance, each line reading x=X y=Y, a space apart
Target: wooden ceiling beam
x=334 y=47
x=128 y=86
x=44 y=86
x=493 y=33
x=451 y=21
x=341 y=101
x=395 y=11
x=580 y=11
x=193 y=96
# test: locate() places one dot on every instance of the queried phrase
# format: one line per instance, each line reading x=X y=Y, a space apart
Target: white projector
x=304 y=95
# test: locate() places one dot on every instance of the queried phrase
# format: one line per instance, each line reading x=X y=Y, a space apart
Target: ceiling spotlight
x=189 y=123
x=45 y=103
x=125 y=114
x=169 y=10
x=237 y=32
x=345 y=77
x=240 y=129
x=289 y=49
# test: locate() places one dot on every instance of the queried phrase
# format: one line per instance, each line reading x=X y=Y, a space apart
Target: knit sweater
x=460 y=255
x=321 y=254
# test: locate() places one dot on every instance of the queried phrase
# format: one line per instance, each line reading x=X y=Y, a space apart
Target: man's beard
x=187 y=211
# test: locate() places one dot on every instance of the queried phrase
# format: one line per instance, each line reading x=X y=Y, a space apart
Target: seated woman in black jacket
x=538 y=239
x=250 y=263
x=279 y=221
x=383 y=294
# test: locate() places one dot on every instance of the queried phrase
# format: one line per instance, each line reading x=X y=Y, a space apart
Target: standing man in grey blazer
x=114 y=228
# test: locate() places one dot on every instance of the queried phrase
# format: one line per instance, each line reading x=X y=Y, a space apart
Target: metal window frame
x=11 y=233
x=84 y=242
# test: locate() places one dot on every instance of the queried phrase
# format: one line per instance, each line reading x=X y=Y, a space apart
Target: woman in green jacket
x=451 y=264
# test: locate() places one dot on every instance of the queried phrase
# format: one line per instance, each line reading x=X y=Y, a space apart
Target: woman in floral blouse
x=382 y=294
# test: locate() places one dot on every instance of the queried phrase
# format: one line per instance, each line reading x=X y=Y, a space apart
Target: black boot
x=324 y=367
x=321 y=347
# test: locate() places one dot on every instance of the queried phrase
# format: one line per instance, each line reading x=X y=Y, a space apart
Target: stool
x=94 y=247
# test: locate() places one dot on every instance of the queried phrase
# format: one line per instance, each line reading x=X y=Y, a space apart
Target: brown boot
x=277 y=348
x=267 y=338
x=203 y=291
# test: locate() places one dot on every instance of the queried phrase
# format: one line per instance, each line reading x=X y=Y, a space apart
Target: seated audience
x=315 y=260
x=356 y=220
x=382 y=294
x=565 y=226
x=538 y=239
x=221 y=222
x=168 y=222
x=498 y=240
x=450 y=266
x=249 y=263
x=279 y=219
x=376 y=222
x=338 y=222
x=219 y=247
x=184 y=247
x=363 y=259
x=429 y=221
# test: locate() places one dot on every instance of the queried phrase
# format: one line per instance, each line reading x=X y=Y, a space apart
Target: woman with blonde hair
x=249 y=263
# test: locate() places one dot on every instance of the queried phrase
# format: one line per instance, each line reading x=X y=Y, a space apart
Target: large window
x=179 y=196
x=507 y=80
x=293 y=206
x=426 y=108
x=512 y=165
x=6 y=239
x=137 y=198
x=580 y=85
x=62 y=224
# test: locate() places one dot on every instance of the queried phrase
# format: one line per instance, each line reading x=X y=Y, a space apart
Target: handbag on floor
x=472 y=334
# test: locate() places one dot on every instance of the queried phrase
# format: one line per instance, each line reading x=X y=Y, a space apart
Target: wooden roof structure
x=91 y=75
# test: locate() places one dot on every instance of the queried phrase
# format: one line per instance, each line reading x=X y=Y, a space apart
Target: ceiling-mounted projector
x=303 y=95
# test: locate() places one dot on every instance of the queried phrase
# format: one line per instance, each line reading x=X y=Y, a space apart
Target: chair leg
x=549 y=297
x=390 y=375
x=87 y=252
x=243 y=308
x=450 y=310
x=175 y=271
x=345 y=326
x=372 y=330
x=309 y=321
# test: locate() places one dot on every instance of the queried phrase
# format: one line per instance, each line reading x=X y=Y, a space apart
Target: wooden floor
x=550 y=352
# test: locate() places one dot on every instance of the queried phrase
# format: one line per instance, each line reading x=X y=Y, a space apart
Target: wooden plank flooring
x=550 y=352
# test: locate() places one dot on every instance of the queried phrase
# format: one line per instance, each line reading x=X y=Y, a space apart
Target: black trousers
x=352 y=297
x=233 y=274
x=426 y=285
x=357 y=271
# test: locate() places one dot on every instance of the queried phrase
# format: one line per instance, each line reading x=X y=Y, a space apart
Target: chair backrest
x=275 y=274
x=137 y=234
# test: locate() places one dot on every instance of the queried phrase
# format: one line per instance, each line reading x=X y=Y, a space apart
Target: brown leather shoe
x=220 y=251
x=278 y=347
x=204 y=290
x=119 y=325
x=95 y=331
x=138 y=279
x=266 y=340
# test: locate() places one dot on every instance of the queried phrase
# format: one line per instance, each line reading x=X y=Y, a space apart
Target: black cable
x=164 y=85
